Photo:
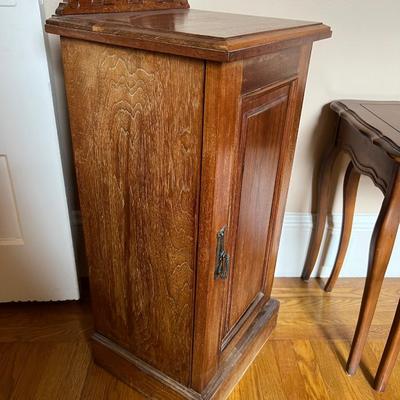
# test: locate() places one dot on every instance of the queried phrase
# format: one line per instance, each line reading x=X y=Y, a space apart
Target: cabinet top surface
x=379 y=120
x=200 y=34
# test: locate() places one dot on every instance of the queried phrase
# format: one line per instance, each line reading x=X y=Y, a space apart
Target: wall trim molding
x=296 y=234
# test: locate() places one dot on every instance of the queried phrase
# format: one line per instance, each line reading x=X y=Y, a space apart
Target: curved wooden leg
x=324 y=181
x=381 y=247
x=350 y=186
x=390 y=354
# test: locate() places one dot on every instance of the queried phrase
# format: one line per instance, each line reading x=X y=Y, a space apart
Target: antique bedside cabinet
x=184 y=125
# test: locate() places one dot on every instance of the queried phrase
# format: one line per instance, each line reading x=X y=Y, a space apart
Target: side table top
x=194 y=33
x=379 y=120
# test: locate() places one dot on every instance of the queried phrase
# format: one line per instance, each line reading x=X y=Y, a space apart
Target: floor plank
x=264 y=369
x=45 y=354
x=332 y=365
x=101 y=385
x=12 y=361
x=309 y=369
x=65 y=372
x=293 y=383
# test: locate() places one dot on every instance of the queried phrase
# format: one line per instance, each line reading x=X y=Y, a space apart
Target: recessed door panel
x=263 y=129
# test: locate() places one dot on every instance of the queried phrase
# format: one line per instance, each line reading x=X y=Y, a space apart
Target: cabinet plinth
x=184 y=126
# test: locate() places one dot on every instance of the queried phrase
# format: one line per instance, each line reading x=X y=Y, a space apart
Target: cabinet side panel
x=136 y=122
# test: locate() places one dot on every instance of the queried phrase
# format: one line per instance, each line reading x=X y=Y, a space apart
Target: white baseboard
x=296 y=233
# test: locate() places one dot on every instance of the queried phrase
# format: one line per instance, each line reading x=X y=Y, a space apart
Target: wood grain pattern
x=38 y=367
x=138 y=374
x=241 y=356
x=285 y=164
x=323 y=197
x=100 y=384
x=270 y=122
x=310 y=370
x=220 y=143
x=350 y=186
x=390 y=354
x=284 y=360
x=200 y=34
x=330 y=316
x=111 y=6
x=325 y=358
x=266 y=70
x=381 y=246
x=159 y=177
x=378 y=120
x=263 y=130
x=137 y=161
x=159 y=386
x=263 y=164
x=369 y=159
x=75 y=322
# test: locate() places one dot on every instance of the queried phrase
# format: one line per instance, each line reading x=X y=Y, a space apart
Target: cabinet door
x=264 y=126
x=252 y=110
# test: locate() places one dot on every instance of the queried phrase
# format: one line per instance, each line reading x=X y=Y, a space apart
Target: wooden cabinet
x=184 y=126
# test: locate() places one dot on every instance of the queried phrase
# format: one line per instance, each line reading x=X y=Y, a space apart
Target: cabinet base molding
x=157 y=385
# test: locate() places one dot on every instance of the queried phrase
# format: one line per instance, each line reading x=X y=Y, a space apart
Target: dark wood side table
x=369 y=131
x=184 y=125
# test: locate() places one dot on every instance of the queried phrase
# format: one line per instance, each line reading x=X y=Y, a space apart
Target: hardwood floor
x=44 y=354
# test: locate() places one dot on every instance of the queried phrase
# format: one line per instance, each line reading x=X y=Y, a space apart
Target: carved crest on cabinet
x=105 y=6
